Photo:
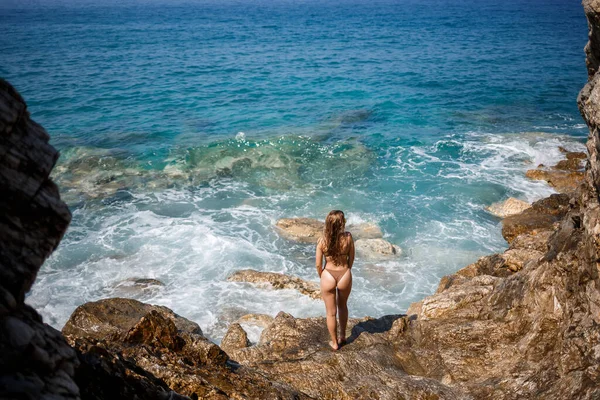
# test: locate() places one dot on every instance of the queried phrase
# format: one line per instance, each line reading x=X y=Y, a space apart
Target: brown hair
x=335 y=225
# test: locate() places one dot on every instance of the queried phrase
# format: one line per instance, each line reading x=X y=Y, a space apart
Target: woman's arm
x=319 y=259
x=350 y=251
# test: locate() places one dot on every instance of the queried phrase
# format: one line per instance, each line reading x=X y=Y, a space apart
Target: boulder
x=372 y=249
x=562 y=181
x=309 y=230
x=164 y=349
x=104 y=319
x=303 y=230
x=235 y=338
x=542 y=216
x=277 y=281
x=508 y=207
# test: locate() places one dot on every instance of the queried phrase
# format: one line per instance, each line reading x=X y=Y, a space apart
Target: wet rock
x=508 y=207
x=562 y=181
x=371 y=249
x=103 y=319
x=304 y=230
x=572 y=164
x=35 y=360
x=542 y=216
x=235 y=338
x=309 y=230
x=277 y=281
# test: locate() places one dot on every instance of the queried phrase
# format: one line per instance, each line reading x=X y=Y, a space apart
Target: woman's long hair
x=332 y=235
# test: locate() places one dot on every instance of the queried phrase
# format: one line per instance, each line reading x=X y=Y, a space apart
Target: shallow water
x=188 y=128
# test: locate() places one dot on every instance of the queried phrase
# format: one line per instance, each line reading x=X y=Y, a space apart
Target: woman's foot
x=341 y=342
x=333 y=345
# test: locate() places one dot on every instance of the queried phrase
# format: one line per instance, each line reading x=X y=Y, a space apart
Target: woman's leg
x=344 y=287
x=328 y=293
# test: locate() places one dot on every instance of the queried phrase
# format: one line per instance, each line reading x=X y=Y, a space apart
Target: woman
x=336 y=278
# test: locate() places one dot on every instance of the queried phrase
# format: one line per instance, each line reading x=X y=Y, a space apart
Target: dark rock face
x=35 y=360
x=542 y=216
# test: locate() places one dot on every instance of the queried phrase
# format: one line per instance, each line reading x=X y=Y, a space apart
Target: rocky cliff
x=35 y=360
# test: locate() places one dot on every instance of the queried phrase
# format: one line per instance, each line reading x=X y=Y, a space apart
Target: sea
x=188 y=128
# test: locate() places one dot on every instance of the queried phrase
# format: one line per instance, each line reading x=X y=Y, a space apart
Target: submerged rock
x=508 y=207
x=304 y=230
x=376 y=249
x=309 y=230
x=137 y=286
x=277 y=281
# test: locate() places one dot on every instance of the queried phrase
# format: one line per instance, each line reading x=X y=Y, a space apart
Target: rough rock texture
x=277 y=281
x=308 y=230
x=372 y=249
x=508 y=207
x=35 y=360
x=165 y=350
x=105 y=318
x=296 y=351
x=542 y=216
x=562 y=181
x=235 y=338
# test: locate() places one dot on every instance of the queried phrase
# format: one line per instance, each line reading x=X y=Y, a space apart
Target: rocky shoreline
x=517 y=325
x=498 y=328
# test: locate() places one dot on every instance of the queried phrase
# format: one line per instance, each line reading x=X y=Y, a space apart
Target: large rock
x=165 y=350
x=277 y=281
x=104 y=319
x=542 y=216
x=36 y=361
x=235 y=338
x=373 y=249
x=562 y=181
x=308 y=230
x=508 y=207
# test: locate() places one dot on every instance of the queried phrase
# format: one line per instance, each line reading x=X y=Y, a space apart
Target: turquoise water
x=188 y=128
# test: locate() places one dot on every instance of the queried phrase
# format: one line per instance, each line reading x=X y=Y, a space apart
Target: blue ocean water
x=187 y=128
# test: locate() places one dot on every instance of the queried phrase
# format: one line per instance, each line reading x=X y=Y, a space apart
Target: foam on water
x=427 y=198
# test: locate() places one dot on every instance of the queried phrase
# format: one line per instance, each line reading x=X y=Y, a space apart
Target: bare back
x=341 y=260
